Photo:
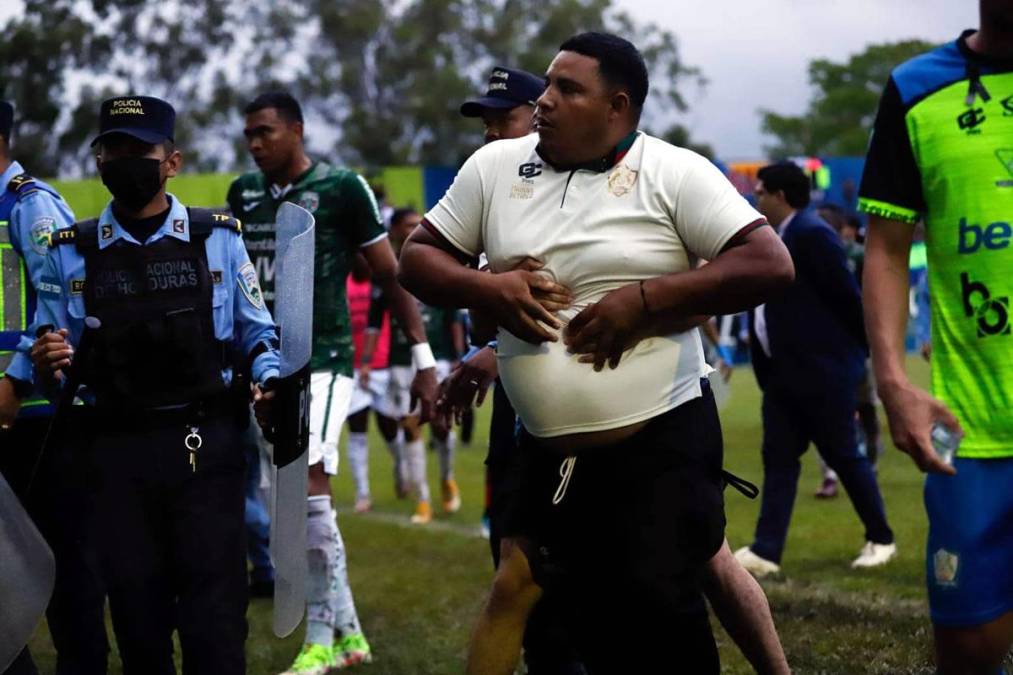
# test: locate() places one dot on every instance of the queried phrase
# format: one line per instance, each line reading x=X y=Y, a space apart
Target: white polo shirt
x=655 y=212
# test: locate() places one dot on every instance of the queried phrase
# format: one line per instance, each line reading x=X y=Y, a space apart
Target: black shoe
x=262 y=589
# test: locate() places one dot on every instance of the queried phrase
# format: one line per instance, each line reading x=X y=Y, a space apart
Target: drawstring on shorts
x=565 y=473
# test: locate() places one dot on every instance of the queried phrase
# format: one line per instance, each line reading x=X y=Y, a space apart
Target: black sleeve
x=891 y=183
x=377 y=307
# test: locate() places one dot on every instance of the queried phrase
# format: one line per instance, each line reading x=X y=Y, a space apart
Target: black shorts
x=629 y=535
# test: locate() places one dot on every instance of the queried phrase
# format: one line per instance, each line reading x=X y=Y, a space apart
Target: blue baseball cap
x=508 y=88
x=6 y=119
x=146 y=118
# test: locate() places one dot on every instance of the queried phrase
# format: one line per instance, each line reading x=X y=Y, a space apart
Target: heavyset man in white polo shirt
x=615 y=219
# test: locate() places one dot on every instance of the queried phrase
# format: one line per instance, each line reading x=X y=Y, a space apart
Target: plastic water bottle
x=945 y=441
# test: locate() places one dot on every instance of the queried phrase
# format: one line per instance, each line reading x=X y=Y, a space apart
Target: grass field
x=418 y=590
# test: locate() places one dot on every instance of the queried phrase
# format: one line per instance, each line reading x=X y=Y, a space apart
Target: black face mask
x=133 y=181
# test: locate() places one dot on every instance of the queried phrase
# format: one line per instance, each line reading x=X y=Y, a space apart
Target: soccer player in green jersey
x=347 y=221
x=445 y=330
x=942 y=152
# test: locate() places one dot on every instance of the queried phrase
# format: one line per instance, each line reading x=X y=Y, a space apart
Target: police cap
x=508 y=88
x=148 y=119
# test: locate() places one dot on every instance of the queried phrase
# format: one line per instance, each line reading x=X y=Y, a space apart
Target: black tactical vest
x=157 y=344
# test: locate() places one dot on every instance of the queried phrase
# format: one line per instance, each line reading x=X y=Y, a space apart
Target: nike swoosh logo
x=250 y=206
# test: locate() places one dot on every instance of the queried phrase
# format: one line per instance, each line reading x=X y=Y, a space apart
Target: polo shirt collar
x=602 y=164
x=13 y=170
x=176 y=225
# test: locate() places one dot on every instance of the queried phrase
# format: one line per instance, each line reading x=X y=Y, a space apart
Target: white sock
x=329 y=604
x=321 y=535
x=415 y=461
x=397 y=453
x=358 y=458
x=445 y=452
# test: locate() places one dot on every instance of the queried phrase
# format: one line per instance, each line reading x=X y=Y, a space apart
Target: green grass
x=419 y=590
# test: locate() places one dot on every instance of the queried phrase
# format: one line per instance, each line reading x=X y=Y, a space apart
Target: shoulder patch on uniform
x=49 y=287
x=65 y=235
x=250 y=285
x=76 y=286
x=226 y=221
x=20 y=182
x=41 y=233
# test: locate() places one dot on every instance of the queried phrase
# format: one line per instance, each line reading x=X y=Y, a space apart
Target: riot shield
x=293 y=312
x=27 y=574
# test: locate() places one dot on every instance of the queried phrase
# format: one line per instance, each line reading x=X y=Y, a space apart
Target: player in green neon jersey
x=942 y=151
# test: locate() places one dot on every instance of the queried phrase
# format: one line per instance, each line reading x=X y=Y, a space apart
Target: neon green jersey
x=942 y=150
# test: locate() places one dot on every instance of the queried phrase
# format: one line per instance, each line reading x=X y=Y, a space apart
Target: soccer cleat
x=363 y=504
x=874 y=555
x=451 y=496
x=423 y=514
x=352 y=650
x=827 y=490
x=755 y=565
x=313 y=660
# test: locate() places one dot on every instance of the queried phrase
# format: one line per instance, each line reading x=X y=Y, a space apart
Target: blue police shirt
x=35 y=215
x=238 y=305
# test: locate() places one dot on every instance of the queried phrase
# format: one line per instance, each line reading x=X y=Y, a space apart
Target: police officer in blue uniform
x=30 y=211
x=181 y=316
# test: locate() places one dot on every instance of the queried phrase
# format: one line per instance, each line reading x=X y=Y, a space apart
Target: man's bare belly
x=573 y=443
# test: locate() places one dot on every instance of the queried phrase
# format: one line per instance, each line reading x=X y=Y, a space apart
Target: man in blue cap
x=508 y=106
x=30 y=211
x=182 y=315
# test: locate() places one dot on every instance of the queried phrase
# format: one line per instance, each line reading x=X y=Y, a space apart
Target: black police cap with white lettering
x=508 y=88
x=148 y=119
x=6 y=119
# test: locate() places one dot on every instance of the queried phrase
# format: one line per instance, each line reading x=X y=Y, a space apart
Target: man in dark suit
x=808 y=349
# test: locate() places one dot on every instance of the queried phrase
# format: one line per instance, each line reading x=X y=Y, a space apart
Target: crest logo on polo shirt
x=621 y=180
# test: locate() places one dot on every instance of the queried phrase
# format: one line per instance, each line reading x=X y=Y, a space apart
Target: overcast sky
x=755 y=53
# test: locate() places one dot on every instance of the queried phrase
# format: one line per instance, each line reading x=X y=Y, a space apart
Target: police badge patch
x=621 y=180
x=40 y=233
x=250 y=285
x=945 y=566
x=309 y=200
